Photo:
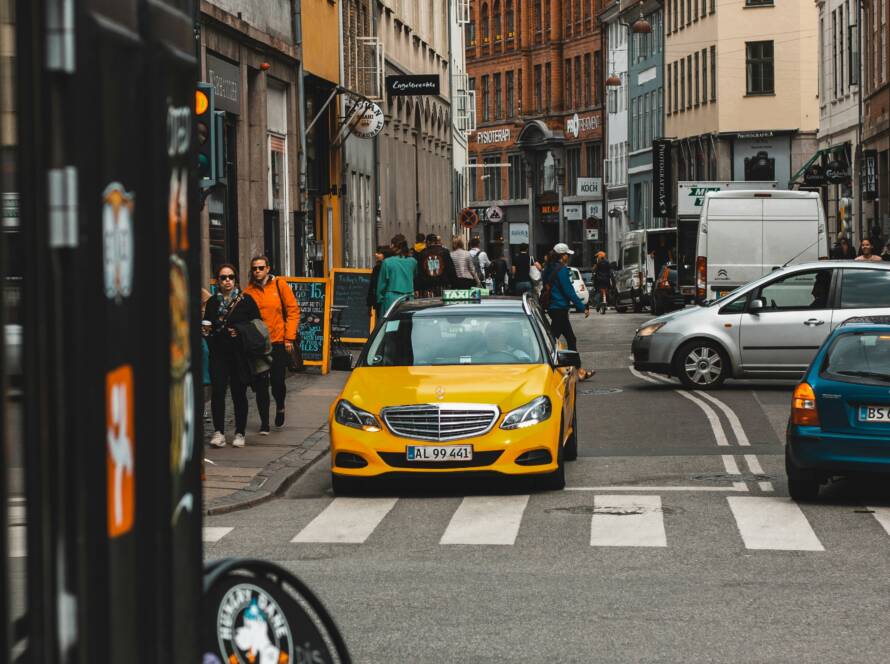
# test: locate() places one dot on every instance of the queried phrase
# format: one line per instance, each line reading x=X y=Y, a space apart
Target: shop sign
x=594 y=210
x=518 y=233
x=226 y=81
x=574 y=212
x=838 y=172
x=368 y=121
x=590 y=187
x=493 y=136
x=662 y=197
x=420 y=84
x=746 y=135
x=592 y=234
x=576 y=125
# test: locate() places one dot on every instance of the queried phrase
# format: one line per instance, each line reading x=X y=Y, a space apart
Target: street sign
x=592 y=233
x=368 y=121
x=494 y=214
x=594 y=209
x=468 y=218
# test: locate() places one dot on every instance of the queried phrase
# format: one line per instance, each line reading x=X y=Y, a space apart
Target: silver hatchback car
x=769 y=328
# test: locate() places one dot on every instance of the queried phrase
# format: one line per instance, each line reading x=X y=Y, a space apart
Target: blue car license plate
x=874 y=414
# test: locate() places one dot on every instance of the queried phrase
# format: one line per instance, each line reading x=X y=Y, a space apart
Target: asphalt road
x=675 y=541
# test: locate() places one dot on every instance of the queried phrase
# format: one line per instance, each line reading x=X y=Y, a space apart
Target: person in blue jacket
x=560 y=292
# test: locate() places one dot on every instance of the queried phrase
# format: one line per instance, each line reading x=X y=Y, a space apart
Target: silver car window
x=802 y=290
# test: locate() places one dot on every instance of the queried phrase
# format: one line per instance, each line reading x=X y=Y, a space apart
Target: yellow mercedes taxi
x=461 y=384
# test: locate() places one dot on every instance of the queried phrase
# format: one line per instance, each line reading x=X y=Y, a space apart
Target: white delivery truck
x=690 y=199
x=744 y=235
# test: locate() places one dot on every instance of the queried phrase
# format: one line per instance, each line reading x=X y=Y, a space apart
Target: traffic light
x=206 y=135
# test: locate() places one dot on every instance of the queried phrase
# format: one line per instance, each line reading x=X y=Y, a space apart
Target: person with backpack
x=498 y=271
x=558 y=295
x=464 y=266
x=480 y=259
x=435 y=269
x=281 y=314
x=521 y=271
x=602 y=281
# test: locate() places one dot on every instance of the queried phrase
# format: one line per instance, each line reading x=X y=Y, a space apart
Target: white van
x=744 y=235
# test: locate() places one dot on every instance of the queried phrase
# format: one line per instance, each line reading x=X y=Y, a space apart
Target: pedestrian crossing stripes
x=760 y=523
x=16 y=542
x=626 y=520
x=347 y=521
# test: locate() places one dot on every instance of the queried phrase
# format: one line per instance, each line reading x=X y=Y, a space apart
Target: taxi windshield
x=860 y=357
x=422 y=339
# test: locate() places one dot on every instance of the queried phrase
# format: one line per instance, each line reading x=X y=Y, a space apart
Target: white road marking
x=740 y=487
x=486 y=520
x=882 y=514
x=215 y=533
x=734 y=422
x=773 y=523
x=627 y=521
x=732 y=468
x=18 y=547
x=16 y=515
x=754 y=464
x=346 y=521
x=713 y=420
x=766 y=487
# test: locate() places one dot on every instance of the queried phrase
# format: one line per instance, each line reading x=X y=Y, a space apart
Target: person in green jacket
x=396 y=274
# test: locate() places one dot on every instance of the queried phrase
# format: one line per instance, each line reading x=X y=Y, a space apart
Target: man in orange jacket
x=281 y=314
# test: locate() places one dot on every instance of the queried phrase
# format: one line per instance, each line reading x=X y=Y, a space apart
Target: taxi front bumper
x=528 y=451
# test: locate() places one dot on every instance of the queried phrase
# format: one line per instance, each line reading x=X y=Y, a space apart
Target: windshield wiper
x=866 y=374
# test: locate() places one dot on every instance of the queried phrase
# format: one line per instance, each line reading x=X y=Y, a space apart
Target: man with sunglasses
x=281 y=314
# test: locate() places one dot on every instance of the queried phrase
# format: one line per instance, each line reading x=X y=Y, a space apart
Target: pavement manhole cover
x=600 y=391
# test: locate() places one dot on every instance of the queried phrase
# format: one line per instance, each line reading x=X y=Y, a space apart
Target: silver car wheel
x=703 y=365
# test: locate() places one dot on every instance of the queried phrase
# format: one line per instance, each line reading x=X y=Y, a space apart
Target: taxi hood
x=506 y=386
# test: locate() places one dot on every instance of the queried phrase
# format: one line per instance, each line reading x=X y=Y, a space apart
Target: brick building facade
x=536 y=67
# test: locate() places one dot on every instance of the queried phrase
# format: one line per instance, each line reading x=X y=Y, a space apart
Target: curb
x=276 y=478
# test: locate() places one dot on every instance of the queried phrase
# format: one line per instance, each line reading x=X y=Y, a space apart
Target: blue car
x=840 y=412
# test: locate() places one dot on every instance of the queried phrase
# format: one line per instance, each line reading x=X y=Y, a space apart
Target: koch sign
x=590 y=187
x=403 y=86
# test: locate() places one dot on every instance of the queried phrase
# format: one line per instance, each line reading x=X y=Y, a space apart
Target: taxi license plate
x=874 y=414
x=439 y=452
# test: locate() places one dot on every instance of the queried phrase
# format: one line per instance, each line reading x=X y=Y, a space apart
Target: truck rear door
x=790 y=232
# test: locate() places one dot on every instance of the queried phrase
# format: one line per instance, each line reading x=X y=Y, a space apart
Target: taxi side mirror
x=568 y=358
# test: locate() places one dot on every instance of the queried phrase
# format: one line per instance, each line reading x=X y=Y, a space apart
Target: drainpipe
x=303 y=178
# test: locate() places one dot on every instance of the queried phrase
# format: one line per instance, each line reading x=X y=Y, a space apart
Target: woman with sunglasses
x=228 y=360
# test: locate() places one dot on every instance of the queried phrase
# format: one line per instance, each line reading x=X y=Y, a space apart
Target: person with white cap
x=558 y=295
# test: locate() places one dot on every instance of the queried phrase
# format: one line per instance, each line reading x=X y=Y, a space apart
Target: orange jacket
x=268 y=298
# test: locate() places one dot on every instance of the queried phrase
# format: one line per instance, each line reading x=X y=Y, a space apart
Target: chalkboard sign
x=312 y=296
x=350 y=291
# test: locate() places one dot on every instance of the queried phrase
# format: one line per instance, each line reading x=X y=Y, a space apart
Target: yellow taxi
x=458 y=384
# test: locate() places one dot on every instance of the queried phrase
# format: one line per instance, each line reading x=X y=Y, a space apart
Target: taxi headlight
x=649 y=330
x=534 y=412
x=353 y=416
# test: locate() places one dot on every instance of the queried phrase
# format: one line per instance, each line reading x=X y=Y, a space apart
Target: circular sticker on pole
x=257 y=613
x=468 y=218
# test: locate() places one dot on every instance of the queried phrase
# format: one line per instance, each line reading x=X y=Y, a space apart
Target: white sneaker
x=238 y=441
x=218 y=440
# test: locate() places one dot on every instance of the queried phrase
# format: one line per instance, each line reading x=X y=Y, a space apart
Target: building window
x=509 y=86
x=538 y=31
x=597 y=77
x=517 y=177
x=579 y=99
x=485 y=35
x=471 y=34
x=594 y=158
x=511 y=20
x=568 y=82
x=492 y=178
x=834 y=71
x=587 y=20
x=578 y=15
x=852 y=50
x=712 y=7
x=538 y=105
x=547 y=19
x=682 y=13
x=689 y=81
x=704 y=8
x=759 y=60
x=496 y=20
x=682 y=83
x=667 y=80
x=573 y=170
x=568 y=17
x=697 y=92
x=704 y=76
x=485 y=98
x=713 y=73
x=840 y=48
x=548 y=85
x=519 y=93
x=677 y=80
x=498 y=98
x=758 y=3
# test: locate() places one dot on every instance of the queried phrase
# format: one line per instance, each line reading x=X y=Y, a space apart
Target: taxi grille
x=440 y=422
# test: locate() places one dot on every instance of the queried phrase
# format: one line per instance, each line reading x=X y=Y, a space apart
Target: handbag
x=295 y=356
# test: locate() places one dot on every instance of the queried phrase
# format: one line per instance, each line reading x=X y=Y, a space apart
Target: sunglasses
x=259 y=268
x=227 y=277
